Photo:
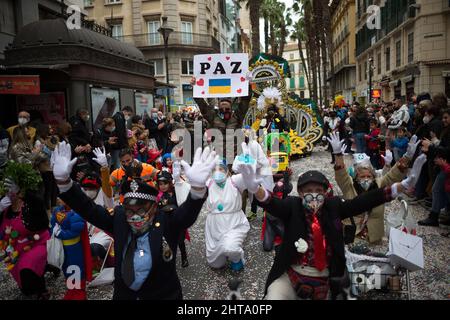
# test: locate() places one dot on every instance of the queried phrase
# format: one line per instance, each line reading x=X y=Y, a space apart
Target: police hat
x=138 y=190
x=312 y=176
x=164 y=176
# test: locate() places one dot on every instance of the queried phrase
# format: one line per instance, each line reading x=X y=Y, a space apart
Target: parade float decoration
x=267 y=75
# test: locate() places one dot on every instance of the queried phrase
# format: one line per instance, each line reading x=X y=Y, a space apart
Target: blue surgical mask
x=365 y=184
x=219 y=177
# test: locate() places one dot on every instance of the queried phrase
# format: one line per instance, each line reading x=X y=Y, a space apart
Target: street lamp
x=165 y=31
x=370 y=79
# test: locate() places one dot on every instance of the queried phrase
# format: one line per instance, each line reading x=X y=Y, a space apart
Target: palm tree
x=299 y=36
x=254 y=7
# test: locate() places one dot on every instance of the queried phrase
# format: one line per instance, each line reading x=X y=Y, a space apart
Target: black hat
x=137 y=189
x=164 y=176
x=312 y=176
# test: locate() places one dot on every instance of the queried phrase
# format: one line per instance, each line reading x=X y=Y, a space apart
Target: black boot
x=431 y=221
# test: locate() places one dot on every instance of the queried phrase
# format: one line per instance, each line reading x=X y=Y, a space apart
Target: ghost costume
x=226 y=225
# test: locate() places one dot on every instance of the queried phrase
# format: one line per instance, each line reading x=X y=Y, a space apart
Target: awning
x=160 y=84
x=394 y=83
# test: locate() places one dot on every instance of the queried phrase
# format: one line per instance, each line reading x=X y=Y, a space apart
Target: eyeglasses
x=140 y=212
x=310 y=197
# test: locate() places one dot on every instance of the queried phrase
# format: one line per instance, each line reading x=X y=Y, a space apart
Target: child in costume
x=167 y=162
x=167 y=202
x=72 y=230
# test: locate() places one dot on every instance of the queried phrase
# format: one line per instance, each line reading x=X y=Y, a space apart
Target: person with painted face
x=370 y=224
x=167 y=202
x=311 y=261
x=145 y=240
x=23 y=120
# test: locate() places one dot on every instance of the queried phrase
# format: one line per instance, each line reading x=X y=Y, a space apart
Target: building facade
x=298 y=83
x=343 y=25
x=70 y=68
x=199 y=27
x=409 y=53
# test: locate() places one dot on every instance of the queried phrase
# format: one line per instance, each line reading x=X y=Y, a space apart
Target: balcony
x=341 y=37
x=204 y=42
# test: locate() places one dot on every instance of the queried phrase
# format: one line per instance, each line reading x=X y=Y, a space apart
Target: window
x=365 y=70
x=398 y=53
x=388 y=58
x=186 y=32
x=116 y=30
x=379 y=63
x=359 y=73
x=292 y=68
x=113 y=1
x=158 y=66
x=88 y=3
x=292 y=83
x=187 y=67
x=302 y=82
x=410 y=47
x=300 y=68
x=154 y=37
x=291 y=56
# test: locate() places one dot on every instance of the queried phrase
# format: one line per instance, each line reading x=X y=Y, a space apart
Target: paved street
x=201 y=282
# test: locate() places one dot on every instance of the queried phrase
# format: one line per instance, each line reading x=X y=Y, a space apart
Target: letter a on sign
x=221 y=75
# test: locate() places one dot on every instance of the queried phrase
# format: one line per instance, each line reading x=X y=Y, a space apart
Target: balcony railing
x=340 y=38
x=175 y=39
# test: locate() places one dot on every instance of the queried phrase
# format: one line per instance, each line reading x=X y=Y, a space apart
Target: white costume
x=226 y=225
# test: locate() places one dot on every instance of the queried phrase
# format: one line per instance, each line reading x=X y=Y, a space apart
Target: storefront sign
x=221 y=75
x=105 y=103
x=29 y=85
x=376 y=93
x=50 y=107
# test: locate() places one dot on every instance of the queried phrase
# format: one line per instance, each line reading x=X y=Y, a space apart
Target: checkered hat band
x=138 y=195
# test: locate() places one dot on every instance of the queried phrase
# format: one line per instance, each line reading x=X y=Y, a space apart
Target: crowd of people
x=121 y=196
x=382 y=132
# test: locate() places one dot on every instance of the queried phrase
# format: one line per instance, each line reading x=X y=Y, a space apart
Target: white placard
x=221 y=75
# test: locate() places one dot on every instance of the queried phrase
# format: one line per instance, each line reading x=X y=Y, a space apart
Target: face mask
x=127 y=118
x=154 y=116
x=22 y=121
x=92 y=194
x=113 y=129
x=365 y=184
x=426 y=119
x=313 y=201
x=86 y=118
x=139 y=223
x=219 y=177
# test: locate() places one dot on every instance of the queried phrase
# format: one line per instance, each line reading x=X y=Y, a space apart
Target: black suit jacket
x=121 y=131
x=160 y=135
x=162 y=282
x=335 y=209
x=79 y=136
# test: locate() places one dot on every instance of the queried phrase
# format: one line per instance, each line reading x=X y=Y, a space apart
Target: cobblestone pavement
x=201 y=282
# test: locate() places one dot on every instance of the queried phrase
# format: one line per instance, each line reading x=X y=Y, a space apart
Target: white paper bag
x=105 y=277
x=405 y=250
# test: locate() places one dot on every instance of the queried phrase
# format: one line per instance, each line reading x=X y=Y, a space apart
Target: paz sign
x=221 y=75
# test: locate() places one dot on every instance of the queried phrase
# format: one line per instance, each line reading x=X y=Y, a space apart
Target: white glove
x=100 y=157
x=387 y=158
x=11 y=186
x=201 y=168
x=414 y=173
x=343 y=148
x=176 y=171
x=250 y=177
x=412 y=146
x=257 y=153
x=5 y=203
x=61 y=163
x=335 y=142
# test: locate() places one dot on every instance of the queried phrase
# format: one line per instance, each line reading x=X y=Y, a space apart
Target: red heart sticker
x=228 y=58
x=181 y=153
x=242 y=79
x=239 y=90
x=209 y=58
x=203 y=92
x=200 y=82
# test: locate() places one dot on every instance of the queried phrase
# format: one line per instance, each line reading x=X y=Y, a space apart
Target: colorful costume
x=74 y=236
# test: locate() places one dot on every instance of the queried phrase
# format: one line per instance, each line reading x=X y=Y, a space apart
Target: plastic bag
x=395 y=219
x=55 y=250
x=105 y=277
x=409 y=223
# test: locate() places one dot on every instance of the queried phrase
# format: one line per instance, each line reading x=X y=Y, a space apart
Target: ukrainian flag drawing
x=217 y=86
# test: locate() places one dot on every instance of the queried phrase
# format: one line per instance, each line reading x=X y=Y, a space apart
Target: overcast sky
x=288 y=4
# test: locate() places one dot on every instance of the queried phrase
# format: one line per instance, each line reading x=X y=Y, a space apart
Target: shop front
x=76 y=69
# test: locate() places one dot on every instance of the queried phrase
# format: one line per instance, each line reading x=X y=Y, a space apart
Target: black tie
x=128 y=262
